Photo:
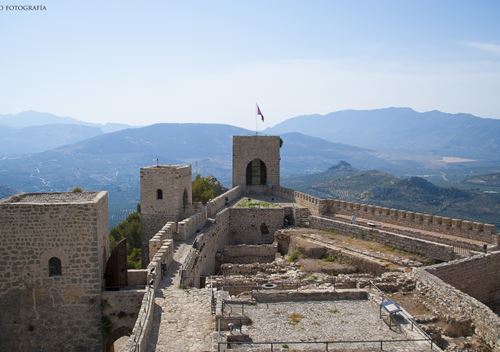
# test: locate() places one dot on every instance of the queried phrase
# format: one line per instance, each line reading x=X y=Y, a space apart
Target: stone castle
x=207 y=268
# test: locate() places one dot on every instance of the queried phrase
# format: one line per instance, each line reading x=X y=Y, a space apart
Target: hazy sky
x=142 y=62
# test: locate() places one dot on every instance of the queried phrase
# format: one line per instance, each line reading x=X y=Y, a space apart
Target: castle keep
x=258 y=268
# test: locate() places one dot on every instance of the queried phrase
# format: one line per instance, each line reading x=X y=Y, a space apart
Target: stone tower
x=53 y=250
x=256 y=162
x=165 y=196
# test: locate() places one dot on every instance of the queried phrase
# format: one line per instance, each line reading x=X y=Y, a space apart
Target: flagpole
x=256 y=133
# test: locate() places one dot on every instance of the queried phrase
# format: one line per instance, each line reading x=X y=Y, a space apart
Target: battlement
x=181 y=170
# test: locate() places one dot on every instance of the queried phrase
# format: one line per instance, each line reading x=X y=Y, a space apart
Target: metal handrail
x=327 y=344
x=406 y=315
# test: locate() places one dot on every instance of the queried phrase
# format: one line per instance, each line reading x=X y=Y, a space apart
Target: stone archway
x=116 y=339
x=256 y=173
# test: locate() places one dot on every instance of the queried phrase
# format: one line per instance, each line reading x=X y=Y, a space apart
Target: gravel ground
x=323 y=321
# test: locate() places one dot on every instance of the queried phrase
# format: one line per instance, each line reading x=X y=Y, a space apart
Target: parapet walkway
x=413 y=232
x=182 y=319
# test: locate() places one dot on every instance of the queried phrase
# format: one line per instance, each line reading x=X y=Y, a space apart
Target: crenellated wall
x=161 y=260
x=461 y=228
x=428 y=222
x=189 y=226
x=316 y=206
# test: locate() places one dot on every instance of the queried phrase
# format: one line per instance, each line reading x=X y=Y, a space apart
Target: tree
x=77 y=190
x=203 y=189
x=130 y=229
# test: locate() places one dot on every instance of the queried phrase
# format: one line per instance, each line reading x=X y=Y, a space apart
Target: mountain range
x=112 y=161
x=45 y=152
x=32 y=132
x=403 y=132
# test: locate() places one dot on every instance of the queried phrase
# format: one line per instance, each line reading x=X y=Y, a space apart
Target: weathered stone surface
x=60 y=312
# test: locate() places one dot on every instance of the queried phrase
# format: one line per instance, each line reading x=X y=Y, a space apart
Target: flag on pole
x=260 y=113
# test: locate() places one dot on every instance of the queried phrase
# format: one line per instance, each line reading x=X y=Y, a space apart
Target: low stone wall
x=413 y=245
x=218 y=203
x=317 y=250
x=163 y=257
x=137 y=277
x=309 y=295
x=478 y=276
x=246 y=254
x=457 y=227
x=445 y=300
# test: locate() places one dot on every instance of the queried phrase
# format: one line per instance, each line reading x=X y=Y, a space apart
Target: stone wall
x=137 y=277
x=120 y=310
x=254 y=225
x=478 y=276
x=445 y=300
x=428 y=222
x=307 y=296
x=218 y=203
x=245 y=254
x=414 y=245
x=59 y=312
x=248 y=148
x=202 y=258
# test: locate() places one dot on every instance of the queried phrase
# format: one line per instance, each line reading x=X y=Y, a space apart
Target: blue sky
x=210 y=61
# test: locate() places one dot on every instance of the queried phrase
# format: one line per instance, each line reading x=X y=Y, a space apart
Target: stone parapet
x=445 y=300
x=427 y=222
x=218 y=203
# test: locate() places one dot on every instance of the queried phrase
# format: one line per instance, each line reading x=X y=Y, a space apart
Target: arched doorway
x=117 y=340
x=256 y=173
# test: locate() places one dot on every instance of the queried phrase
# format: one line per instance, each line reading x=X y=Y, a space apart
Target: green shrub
x=294 y=256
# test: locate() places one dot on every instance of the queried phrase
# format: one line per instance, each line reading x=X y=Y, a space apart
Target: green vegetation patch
x=294 y=256
x=254 y=203
x=130 y=229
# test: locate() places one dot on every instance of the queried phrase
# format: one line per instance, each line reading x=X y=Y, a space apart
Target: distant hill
x=35 y=118
x=414 y=193
x=491 y=180
x=112 y=161
x=32 y=132
x=15 y=141
x=404 y=131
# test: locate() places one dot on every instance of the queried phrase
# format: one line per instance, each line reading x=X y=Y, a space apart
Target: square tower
x=256 y=162
x=166 y=195
x=54 y=248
